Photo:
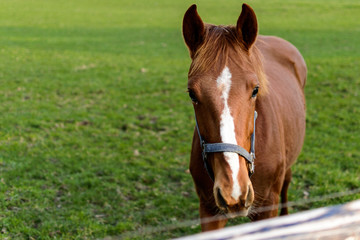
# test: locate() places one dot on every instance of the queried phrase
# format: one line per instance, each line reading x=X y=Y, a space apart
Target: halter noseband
x=227 y=147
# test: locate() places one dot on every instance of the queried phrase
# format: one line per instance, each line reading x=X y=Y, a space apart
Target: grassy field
x=96 y=124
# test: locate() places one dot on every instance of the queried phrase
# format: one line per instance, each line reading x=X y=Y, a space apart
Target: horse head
x=224 y=81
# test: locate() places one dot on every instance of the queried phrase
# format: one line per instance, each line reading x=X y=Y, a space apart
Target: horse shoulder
x=284 y=106
x=283 y=52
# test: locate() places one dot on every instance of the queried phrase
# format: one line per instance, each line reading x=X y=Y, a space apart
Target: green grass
x=96 y=124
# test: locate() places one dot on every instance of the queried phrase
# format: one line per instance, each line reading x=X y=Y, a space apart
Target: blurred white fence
x=338 y=222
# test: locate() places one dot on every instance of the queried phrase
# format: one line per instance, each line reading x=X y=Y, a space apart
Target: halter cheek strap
x=227 y=147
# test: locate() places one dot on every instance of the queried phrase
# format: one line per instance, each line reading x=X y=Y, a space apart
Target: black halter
x=227 y=147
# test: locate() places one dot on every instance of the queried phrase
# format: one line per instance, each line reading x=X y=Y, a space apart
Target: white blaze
x=227 y=129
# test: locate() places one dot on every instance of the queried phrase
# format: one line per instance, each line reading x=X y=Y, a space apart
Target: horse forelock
x=213 y=54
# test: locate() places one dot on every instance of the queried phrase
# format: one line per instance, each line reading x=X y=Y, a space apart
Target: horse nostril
x=221 y=200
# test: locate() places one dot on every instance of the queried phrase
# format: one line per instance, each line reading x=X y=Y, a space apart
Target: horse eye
x=255 y=91
x=192 y=96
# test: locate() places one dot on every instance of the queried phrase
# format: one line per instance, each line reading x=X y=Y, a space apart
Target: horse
x=247 y=92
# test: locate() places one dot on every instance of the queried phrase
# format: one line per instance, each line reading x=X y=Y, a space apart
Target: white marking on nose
x=227 y=130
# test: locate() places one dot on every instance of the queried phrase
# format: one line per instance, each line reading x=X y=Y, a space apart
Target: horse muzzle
x=234 y=207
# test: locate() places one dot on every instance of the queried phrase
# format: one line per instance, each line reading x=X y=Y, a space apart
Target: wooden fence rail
x=337 y=222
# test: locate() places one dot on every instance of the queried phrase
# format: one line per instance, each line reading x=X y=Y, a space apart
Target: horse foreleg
x=209 y=221
x=284 y=199
x=268 y=208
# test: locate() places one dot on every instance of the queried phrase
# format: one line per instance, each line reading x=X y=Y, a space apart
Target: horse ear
x=247 y=26
x=193 y=30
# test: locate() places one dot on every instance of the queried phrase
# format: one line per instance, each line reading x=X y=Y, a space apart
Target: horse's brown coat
x=280 y=71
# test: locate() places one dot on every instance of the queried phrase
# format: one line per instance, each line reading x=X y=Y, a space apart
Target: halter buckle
x=252 y=164
x=203 y=152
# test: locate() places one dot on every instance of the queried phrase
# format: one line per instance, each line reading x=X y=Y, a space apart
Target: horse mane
x=217 y=43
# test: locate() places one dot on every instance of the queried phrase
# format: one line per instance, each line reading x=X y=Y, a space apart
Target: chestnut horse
x=236 y=75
